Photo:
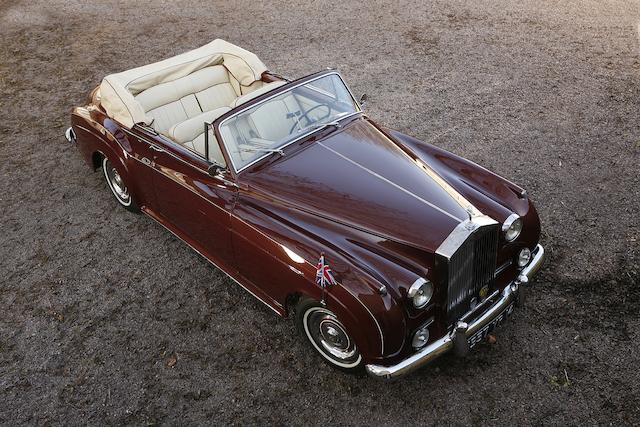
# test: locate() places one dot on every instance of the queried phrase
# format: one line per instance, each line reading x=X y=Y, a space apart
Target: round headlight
x=420 y=338
x=512 y=227
x=524 y=257
x=421 y=292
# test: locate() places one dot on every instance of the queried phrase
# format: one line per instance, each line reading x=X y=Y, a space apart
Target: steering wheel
x=305 y=115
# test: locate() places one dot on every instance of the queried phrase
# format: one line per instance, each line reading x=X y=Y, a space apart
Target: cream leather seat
x=266 y=87
x=177 y=95
x=181 y=107
x=273 y=120
x=174 y=102
x=190 y=134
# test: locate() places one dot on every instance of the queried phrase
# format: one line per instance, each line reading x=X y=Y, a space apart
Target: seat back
x=175 y=101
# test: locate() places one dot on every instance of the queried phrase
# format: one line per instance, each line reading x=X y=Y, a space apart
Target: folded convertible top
x=118 y=91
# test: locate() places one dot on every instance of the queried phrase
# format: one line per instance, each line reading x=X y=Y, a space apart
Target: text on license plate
x=482 y=333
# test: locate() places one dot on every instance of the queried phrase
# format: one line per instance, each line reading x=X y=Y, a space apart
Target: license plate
x=484 y=331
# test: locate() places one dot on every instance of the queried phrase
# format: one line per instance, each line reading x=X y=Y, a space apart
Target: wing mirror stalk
x=363 y=99
x=215 y=171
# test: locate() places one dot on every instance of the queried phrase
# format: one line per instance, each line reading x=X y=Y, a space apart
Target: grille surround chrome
x=467 y=262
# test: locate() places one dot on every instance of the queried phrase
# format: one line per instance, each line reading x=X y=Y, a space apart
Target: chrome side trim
x=460 y=234
x=370 y=314
x=463 y=331
x=100 y=129
x=182 y=184
x=155 y=144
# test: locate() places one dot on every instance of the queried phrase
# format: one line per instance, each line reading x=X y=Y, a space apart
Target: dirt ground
x=105 y=318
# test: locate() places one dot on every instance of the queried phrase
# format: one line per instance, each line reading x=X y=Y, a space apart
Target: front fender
x=376 y=322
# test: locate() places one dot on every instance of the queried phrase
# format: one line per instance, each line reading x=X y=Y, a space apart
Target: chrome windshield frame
x=285 y=88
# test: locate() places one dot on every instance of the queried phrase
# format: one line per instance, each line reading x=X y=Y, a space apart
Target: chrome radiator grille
x=470 y=268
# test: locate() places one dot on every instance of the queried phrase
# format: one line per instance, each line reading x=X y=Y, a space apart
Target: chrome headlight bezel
x=420 y=293
x=512 y=227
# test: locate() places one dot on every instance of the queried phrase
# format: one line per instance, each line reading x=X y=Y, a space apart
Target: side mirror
x=215 y=170
x=218 y=172
x=363 y=99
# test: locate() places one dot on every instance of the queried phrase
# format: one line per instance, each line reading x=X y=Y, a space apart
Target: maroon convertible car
x=387 y=251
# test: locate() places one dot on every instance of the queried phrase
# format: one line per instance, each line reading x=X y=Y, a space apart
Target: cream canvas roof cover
x=118 y=90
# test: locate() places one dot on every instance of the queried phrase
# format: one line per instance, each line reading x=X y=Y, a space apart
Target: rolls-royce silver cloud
x=386 y=251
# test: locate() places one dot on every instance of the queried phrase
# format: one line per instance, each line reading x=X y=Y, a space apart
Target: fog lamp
x=524 y=257
x=421 y=337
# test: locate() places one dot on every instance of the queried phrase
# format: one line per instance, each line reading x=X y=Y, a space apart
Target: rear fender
x=97 y=134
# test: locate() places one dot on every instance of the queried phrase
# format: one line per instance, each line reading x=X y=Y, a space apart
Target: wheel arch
x=359 y=320
x=291 y=301
x=97 y=140
x=96 y=159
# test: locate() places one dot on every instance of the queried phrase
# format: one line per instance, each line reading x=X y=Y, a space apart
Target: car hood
x=359 y=177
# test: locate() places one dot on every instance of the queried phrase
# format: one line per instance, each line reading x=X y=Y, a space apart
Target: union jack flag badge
x=324 y=276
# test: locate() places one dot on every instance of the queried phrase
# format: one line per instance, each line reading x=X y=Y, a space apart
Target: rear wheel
x=328 y=336
x=117 y=186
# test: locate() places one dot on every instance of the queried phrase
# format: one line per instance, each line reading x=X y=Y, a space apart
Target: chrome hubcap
x=335 y=340
x=330 y=337
x=118 y=185
x=115 y=182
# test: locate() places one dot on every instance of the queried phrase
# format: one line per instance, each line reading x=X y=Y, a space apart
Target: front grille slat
x=469 y=269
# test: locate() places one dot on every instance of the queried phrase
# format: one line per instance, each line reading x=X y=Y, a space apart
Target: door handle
x=158 y=149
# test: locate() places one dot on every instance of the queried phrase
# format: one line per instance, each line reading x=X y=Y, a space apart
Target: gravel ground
x=108 y=319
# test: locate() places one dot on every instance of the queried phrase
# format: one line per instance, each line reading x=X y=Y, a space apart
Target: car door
x=196 y=205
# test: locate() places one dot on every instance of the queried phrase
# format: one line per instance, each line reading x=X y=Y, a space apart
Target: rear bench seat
x=180 y=108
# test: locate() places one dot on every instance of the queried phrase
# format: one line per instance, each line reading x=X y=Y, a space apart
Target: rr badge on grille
x=484 y=291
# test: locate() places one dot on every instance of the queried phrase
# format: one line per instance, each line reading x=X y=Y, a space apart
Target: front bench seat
x=266 y=87
x=190 y=134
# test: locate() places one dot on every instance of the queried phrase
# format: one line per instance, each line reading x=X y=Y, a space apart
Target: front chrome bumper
x=458 y=338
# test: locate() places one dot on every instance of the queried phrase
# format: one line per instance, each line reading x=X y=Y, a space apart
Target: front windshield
x=271 y=124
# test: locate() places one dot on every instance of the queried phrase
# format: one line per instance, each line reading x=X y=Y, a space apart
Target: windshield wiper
x=320 y=126
x=335 y=122
x=265 y=150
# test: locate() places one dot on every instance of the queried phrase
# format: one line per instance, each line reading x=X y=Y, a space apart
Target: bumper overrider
x=70 y=135
x=459 y=339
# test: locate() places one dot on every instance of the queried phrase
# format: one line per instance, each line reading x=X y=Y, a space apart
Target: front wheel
x=328 y=336
x=117 y=186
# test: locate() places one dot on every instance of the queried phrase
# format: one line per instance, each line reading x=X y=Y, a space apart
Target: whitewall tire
x=328 y=336
x=118 y=187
